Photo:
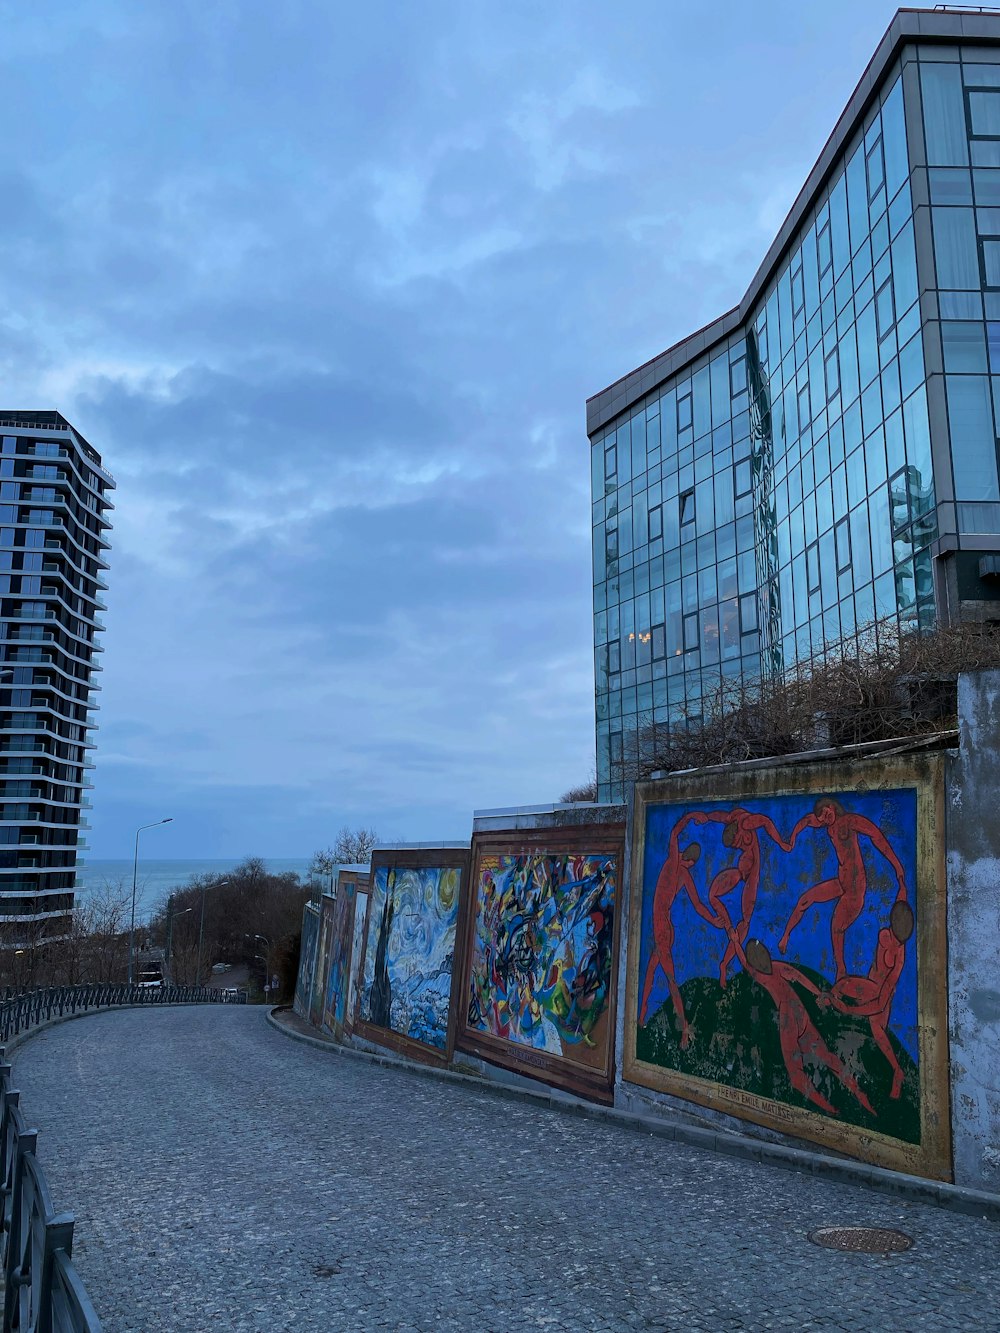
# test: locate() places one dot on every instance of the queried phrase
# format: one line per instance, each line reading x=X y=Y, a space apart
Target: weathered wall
x=973 y=867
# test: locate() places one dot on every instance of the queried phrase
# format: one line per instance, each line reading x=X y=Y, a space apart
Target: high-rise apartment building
x=54 y=498
x=824 y=455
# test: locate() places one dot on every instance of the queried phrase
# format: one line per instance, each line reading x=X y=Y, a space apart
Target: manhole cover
x=862 y=1240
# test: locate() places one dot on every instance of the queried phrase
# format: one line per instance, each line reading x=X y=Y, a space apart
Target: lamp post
x=266 y=961
x=135 y=876
x=201 y=932
x=170 y=924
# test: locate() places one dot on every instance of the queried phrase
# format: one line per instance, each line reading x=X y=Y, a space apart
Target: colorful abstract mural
x=307 y=960
x=338 y=972
x=409 y=953
x=316 y=995
x=775 y=971
x=542 y=957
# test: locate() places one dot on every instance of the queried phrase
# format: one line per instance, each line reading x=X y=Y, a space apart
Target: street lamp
x=201 y=932
x=135 y=875
x=170 y=926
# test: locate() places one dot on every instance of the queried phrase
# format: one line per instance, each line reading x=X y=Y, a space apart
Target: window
x=690 y=633
x=10 y=490
x=885 y=310
x=748 y=613
x=655 y=523
x=798 y=292
x=659 y=642
x=812 y=567
x=686 y=502
x=832 y=368
x=805 y=410
x=984 y=113
x=899 y=502
x=876 y=169
x=738 y=376
x=824 y=249
x=990 y=251
x=614 y=657
x=610 y=461
x=684 y=415
x=842 y=540
x=615 y=750
x=611 y=543
x=742 y=478
x=955 y=249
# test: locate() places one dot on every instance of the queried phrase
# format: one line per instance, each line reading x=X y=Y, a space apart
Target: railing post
x=24 y=1144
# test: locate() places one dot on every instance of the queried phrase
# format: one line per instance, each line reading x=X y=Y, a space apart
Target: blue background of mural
x=785 y=876
x=307 y=959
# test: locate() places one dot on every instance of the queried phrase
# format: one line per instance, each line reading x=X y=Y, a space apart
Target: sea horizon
x=158 y=878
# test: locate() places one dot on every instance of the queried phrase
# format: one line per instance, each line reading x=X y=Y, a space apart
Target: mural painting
x=406 y=982
x=540 y=976
x=357 y=956
x=307 y=960
x=783 y=955
x=322 y=964
x=341 y=928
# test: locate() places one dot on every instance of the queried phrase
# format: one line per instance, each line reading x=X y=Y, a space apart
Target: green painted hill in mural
x=734 y=1041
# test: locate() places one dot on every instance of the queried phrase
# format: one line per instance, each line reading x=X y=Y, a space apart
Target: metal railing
x=43 y=1292
x=20 y=1011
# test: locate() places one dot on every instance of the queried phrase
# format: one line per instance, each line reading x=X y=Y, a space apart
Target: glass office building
x=54 y=499
x=825 y=455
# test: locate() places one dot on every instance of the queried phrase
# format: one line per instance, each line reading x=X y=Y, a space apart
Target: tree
x=352 y=847
x=586 y=791
x=243 y=908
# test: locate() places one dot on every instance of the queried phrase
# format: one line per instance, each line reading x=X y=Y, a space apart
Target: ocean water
x=157 y=879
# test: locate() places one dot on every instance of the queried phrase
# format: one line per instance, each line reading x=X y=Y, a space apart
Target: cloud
x=328 y=288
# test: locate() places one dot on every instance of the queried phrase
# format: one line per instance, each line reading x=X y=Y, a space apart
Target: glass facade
x=776 y=495
x=960 y=96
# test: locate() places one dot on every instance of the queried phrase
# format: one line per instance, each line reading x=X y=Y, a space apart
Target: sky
x=328 y=287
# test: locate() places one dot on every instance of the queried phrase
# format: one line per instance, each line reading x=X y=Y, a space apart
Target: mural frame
x=353 y=883
x=925 y=772
x=362 y=889
x=556 y=1070
x=423 y=858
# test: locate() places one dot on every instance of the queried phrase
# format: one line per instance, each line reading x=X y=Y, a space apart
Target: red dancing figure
x=674 y=876
x=741 y=833
x=871 y=997
x=796 y=1030
x=851 y=883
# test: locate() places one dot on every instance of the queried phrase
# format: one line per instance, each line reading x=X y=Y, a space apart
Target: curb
x=917 y=1189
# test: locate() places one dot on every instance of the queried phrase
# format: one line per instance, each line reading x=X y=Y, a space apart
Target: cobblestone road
x=224 y=1177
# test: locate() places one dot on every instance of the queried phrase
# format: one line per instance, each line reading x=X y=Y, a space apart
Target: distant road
x=227 y=1178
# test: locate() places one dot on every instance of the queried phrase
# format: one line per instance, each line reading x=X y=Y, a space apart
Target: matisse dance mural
x=779 y=944
x=406 y=981
x=542 y=954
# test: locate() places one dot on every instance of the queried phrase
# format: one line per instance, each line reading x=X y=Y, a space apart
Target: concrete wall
x=973 y=869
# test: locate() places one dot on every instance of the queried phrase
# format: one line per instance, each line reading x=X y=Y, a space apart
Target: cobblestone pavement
x=224 y=1177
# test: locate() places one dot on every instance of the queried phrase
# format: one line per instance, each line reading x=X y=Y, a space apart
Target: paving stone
x=225 y=1177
